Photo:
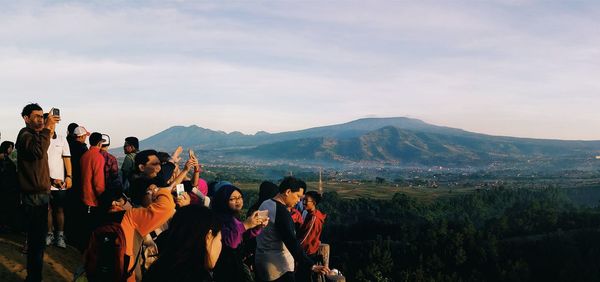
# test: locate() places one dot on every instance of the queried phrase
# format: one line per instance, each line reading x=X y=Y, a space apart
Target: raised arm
x=161 y=209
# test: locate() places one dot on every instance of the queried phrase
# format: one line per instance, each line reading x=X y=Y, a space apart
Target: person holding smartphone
x=34 y=180
x=61 y=176
x=228 y=203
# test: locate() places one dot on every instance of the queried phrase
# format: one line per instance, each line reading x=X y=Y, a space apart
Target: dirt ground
x=59 y=264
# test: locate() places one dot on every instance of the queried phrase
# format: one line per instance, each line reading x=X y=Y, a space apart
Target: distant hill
x=194 y=137
x=396 y=141
x=399 y=146
x=202 y=138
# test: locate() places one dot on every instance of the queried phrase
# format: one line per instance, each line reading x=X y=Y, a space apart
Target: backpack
x=105 y=258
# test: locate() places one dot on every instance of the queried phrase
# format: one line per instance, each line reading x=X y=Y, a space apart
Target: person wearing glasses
x=148 y=169
x=135 y=222
x=278 y=252
x=228 y=202
x=309 y=233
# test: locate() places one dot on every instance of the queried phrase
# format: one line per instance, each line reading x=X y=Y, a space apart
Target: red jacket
x=310 y=231
x=92 y=176
x=296 y=218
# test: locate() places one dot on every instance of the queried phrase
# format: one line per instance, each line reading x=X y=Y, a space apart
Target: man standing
x=75 y=210
x=92 y=183
x=128 y=169
x=59 y=161
x=277 y=249
x=78 y=148
x=71 y=132
x=34 y=179
x=111 y=166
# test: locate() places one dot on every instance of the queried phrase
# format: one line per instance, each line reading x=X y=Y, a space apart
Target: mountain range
x=394 y=141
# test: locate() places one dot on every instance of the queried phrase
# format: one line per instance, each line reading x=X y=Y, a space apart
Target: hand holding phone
x=180 y=190
x=192 y=154
x=264 y=214
x=52 y=119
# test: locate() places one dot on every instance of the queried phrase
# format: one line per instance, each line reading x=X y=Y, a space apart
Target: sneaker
x=49 y=239
x=60 y=241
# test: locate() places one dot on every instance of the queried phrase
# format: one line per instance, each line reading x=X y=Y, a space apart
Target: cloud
x=235 y=66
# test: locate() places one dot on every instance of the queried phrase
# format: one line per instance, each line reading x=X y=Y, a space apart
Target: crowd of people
x=155 y=219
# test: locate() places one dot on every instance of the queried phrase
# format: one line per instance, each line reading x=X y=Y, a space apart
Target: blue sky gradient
x=517 y=68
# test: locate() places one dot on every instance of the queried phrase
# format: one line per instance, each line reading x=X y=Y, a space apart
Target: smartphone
x=263 y=214
x=55 y=112
x=179 y=189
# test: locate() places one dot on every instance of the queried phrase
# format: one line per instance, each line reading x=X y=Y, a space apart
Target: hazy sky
x=518 y=68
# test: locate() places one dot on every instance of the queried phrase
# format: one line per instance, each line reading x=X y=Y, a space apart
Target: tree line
x=492 y=235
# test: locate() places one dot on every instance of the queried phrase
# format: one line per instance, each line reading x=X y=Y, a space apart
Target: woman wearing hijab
x=228 y=203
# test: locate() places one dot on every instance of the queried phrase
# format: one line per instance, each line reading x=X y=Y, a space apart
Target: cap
x=80 y=131
x=106 y=140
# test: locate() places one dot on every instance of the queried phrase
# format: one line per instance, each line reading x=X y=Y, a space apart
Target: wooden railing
x=324 y=250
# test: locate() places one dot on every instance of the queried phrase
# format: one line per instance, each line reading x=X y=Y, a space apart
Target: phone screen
x=179 y=189
x=263 y=214
x=55 y=112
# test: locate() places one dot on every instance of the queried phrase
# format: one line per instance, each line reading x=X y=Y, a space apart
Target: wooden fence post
x=324 y=250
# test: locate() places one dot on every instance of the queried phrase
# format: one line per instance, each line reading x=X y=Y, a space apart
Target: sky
x=513 y=68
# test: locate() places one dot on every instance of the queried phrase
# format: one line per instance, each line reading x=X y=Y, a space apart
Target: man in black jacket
x=34 y=180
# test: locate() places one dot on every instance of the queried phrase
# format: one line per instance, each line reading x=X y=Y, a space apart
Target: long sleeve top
x=92 y=176
x=32 y=161
x=128 y=167
x=277 y=249
x=111 y=166
x=310 y=231
x=144 y=220
x=233 y=231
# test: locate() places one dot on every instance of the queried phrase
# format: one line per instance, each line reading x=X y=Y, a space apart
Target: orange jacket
x=144 y=220
x=92 y=176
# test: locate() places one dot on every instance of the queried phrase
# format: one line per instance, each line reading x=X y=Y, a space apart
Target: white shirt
x=58 y=149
